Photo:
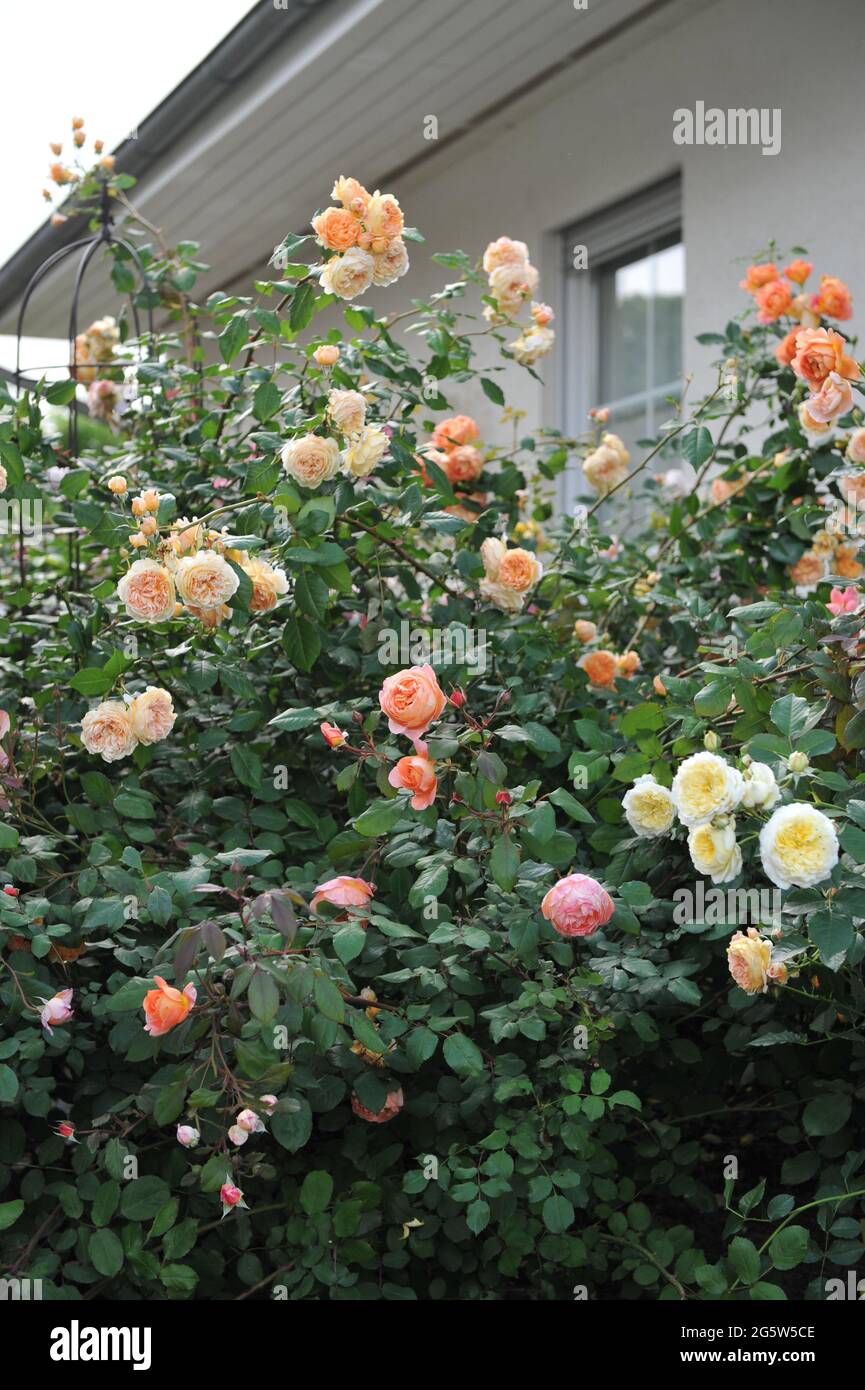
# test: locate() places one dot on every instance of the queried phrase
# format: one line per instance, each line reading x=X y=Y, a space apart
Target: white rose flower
x=649 y=808
x=714 y=851
x=604 y=469
x=364 y=451
x=349 y=275
x=346 y=411
x=107 y=730
x=205 y=580
x=493 y=551
x=310 y=460
x=760 y=791
x=705 y=787
x=798 y=846
x=391 y=264
x=508 y=600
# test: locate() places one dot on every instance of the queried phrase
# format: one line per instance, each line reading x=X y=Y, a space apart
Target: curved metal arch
x=104 y=236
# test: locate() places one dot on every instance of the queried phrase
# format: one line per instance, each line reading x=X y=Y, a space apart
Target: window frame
x=653 y=214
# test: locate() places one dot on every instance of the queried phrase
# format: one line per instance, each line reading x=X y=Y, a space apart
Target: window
x=622 y=328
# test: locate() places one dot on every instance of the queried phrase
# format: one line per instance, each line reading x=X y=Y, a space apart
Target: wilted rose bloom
x=412 y=701
x=152 y=715
x=758 y=275
x=107 y=731
x=147 y=590
x=417 y=775
x=349 y=275
x=458 y=429
x=845 y=563
x=230 y=1196
x=327 y=355
x=834 y=399
x=310 y=460
x=605 y=469
x=714 y=851
x=186 y=536
x=205 y=580
x=188 y=1136
x=103 y=398
x=760 y=791
x=532 y=345
x=165 y=1006
x=346 y=411
x=364 y=451
x=833 y=298
x=391 y=1108
x=390 y=264
x=268 y=584
x=542 y=314
x=343 y=892
x=336 y=229
x=577 y=905
x=333 y=737
x=748 y=957
x=56 y=1011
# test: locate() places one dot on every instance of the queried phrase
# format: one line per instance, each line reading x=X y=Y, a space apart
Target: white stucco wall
x=604 y=130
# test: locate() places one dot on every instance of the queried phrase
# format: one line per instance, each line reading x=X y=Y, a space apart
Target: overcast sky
x=110 y=61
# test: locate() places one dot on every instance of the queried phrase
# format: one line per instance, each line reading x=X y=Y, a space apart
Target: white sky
x=110 y=61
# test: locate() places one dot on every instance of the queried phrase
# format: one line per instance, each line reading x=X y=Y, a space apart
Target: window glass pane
x=640 y=309
x=669 y=287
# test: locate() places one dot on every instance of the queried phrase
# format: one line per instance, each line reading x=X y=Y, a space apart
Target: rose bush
x=334 y=967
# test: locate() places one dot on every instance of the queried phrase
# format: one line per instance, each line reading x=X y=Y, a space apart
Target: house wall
x=604 y=129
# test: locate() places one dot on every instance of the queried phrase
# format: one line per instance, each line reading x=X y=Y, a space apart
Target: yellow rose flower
x=798 y=846
x=649 y=808
x=705 y=787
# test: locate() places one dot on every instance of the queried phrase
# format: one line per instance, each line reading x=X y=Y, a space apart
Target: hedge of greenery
x=411 y=893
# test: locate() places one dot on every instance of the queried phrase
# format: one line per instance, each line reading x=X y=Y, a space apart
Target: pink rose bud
x=220 y=483
x=503 y=798
x=268 y=1103
x=577 y=905
x=230 y=1196
x=457 y=699
x=187 y=1136
x=56 y=1010
x=248 y=1120
x=333 y=737
x=12 y=892
x=66 y=1131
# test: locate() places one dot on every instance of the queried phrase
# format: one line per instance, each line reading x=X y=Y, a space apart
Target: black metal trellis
x=105 y=236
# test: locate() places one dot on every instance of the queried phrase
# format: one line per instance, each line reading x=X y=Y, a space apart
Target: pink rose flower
x=577 y=905
x=56 y=1010
x=343 y=892
x=834 y=398
x=416 y=775
x=843 y=601
x=230 y=1196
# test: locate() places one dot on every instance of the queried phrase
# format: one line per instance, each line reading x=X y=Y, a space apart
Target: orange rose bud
x=77 y=122
x=333 y=737
x=99 y=146
x=55 y=147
